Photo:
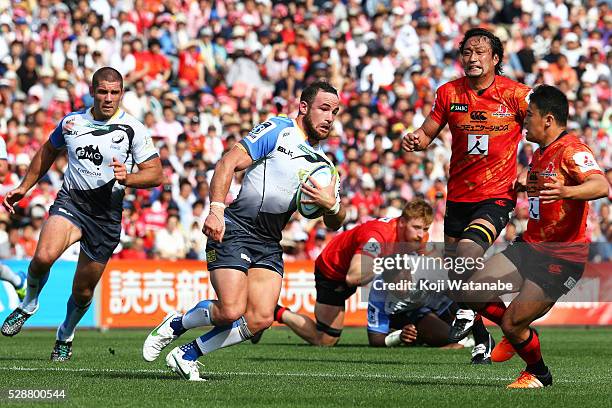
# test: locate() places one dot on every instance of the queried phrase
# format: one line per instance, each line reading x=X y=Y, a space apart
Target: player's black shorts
x=459 y=214
x=554 y=275
x=98 y=238
x=397 y=321
x=331 y=292
x=242 y=251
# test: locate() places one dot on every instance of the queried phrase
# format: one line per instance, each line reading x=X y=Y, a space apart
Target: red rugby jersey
x=373 y=238
x=486 y=130
x=562 y=223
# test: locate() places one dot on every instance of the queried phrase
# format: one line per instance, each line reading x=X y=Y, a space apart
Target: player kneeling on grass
x=243 y=251
x=549 y=259
x=399 y=315
x=347 y=263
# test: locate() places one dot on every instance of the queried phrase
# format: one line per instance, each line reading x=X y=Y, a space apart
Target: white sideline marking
x=270 y=374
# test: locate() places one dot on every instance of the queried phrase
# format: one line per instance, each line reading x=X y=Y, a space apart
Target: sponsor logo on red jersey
x=502 y=112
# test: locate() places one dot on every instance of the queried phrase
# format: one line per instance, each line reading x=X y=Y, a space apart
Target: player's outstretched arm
x=423 y=136
x=236 y=159
x=41 y=162
x=594 y=186
x=149 y=174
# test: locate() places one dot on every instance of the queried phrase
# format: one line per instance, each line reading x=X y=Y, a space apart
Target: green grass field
x=282 y=371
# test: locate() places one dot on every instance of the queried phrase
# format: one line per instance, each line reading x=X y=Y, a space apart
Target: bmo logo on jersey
x=90 y=153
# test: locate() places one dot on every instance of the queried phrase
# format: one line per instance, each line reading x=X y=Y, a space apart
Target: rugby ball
x=323 y=175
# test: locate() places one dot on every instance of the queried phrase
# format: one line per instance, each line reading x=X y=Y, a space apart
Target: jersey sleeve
x=3 y=153
x=143 y=148
x=57 y=136
x=439 y=109
x=578 y=161
x=521 y=96
x=262 y=139
x=371 y=244
x=378 y=320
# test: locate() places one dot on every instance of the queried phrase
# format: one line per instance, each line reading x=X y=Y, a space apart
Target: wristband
x=393 y=339
x=218 y=204
x=335 y=209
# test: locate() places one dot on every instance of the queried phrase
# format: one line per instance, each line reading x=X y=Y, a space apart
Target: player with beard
x=485 y=113
x=243 y=251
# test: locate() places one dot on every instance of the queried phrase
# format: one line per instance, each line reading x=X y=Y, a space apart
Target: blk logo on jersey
x=478 y=144
x=285 y=150
x=90 y=153
x=459 y=107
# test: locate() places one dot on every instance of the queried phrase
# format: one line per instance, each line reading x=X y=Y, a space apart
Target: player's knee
x=82 y=296
x=259 y=323
x=475 y=240
x=227 y=314
x=327 y=335
x=512 y=327
x=43 y=258
x=327 y=341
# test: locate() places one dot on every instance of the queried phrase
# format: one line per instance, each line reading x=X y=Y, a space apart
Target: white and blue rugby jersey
x=382 y=304
x=89 y=181
x=281 y=157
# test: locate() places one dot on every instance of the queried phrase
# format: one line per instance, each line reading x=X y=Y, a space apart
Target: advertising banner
x=141 y=293
x=53 y=298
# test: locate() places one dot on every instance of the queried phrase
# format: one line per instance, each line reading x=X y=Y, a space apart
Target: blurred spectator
x=201 y=74
x=170 y=241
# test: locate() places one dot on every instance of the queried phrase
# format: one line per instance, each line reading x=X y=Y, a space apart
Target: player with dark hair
x=104 y=144
x=485 y=113
x=549 y=259
x=243 y=251
x=346 y=263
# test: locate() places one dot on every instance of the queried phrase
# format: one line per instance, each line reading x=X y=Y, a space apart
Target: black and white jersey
x=89 y=181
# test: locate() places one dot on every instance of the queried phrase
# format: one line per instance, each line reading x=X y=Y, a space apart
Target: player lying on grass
x=398 y=315
x=549 y=259
x=346 y=263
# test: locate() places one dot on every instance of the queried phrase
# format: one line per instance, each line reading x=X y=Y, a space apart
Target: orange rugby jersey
x=486 y=130
x=374 y=238
x=561 y=223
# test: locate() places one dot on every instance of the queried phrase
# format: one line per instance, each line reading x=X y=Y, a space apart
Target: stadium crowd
x=201 y=74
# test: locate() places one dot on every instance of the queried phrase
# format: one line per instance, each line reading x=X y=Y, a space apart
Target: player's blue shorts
x=242 y=251
x=98 y=239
